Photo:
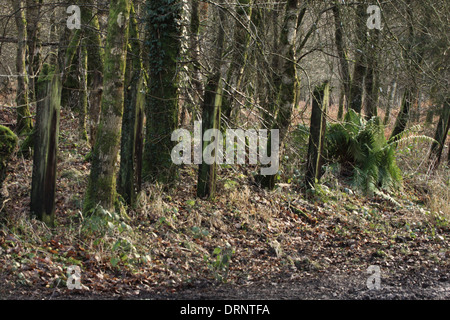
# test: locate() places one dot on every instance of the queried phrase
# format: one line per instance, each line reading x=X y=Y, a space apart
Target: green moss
x=8 y=142
x=164 y=48
x=101 y=191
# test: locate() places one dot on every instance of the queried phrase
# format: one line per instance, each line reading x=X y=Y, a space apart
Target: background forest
x=91 y=92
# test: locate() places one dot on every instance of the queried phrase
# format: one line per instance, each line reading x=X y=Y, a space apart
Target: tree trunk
x=34 y=42
x=440 y=135
x=164 y=47
x=95 y=56
x=101 y=190
x=317 y=135
x=207 y=173
x=342 y=101
x=430 y=116
x=357 y=88
x=285 y=81
x=83 y=92
x=391 y=100
x=194 y=48
x=24 y=123
x=448 y=157
x=132 y=117
x=43 y=184
x=372 y=77
x=342 y=54
x=239 y=56
x=403 y=116
x=211 y=115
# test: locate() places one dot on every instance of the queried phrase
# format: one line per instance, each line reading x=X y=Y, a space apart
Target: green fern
x=361 y=148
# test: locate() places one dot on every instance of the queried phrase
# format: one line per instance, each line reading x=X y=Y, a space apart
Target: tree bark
x=43 y=184
x=317 y=135
x=372 y=77
x=285 y=81
x=95 y=56
x=24 y=123
x=211 y=115
x=34 y=42
x=440 y=136
x=343 y=62
x=239 y=56
x=391 y=100
x=132 y=117
x=403 y=116
x=83 y=92
x=163 y=48
x=359 y=72
x=101 y=190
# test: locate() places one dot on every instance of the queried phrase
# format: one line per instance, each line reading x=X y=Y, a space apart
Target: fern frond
x=421 y=137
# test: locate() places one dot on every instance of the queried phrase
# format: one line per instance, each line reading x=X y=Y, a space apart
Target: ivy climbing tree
x=163 y=47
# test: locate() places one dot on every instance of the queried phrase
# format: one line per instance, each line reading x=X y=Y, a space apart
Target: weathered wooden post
x=317 y=134
x=43 y=184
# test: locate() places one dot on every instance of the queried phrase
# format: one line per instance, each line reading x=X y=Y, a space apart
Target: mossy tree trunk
x=48 y=94
x=164 y=48
x=95 y=56
x=285 y=80
x=239 y=56
x=359 y=72
x=343 y=62
x=43 y=184
x=132 y=123
x=211 y=116
x=83 y=75
x=72 y=83
x=414 y=54
x=372 y=78
x=71 y=55
x=207 y=173
x=194 y=48
x=403 y=115
x=24 y=122
x=440 y=135
x=317 y=135
x=101 y=190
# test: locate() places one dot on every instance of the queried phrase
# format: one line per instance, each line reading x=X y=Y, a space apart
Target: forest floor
x=246 y=244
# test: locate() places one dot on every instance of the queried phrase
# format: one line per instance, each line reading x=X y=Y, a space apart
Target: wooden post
x=43 y=184
x=317 y=134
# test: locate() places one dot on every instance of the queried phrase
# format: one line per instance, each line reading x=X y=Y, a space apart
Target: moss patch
x=8 y=142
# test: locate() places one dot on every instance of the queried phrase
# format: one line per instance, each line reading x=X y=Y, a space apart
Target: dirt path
x=424 y=284
x=430 y=284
